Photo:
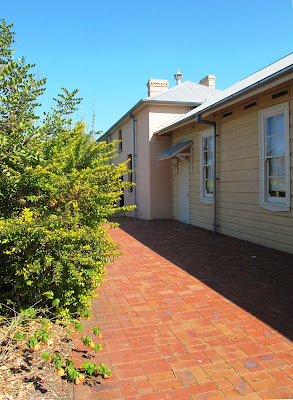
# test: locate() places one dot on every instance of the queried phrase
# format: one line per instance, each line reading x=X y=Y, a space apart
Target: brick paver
x=188 y=315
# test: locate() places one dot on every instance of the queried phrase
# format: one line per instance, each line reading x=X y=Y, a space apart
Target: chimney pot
x=156 y=86
x=209 y=81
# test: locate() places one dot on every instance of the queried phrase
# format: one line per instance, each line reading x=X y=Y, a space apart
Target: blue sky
x=109 y=49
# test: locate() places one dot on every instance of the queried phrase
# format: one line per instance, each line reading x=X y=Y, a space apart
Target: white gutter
x=144 y=102
x=203 y=109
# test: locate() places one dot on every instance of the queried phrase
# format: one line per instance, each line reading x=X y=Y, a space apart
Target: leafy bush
x=57 y=190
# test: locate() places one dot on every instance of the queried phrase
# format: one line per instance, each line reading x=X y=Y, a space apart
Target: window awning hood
x=176 y=150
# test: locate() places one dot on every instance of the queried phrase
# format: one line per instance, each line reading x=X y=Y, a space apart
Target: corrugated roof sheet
x=173 y=151
x=188 y=92
x=238 y=87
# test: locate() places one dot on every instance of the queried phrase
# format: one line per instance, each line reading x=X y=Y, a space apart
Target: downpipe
x=214 y=125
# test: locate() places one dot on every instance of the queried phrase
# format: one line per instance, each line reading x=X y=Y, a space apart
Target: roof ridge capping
x=178 y=87
x=262 y=75
x=169 y=90
x=187 y=93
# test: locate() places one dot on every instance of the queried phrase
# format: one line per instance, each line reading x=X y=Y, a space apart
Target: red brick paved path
x=171 y=335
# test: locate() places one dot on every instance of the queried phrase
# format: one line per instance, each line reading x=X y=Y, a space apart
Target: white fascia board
x=142 y=103
x=249 y=94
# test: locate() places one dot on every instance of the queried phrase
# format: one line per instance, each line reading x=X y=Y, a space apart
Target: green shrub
x=57 y=190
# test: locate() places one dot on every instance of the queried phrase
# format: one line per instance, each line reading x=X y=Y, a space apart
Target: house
x=219 y=160
x=233 y=159
x=152 y=193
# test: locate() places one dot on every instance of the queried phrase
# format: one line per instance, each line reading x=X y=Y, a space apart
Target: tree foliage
x=57 y=190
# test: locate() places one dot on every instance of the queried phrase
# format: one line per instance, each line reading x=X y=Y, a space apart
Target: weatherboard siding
x=200 y=213
x=238 y=211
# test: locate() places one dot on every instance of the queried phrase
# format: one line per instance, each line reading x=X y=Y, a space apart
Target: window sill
x=274 y=207
x=206 y=200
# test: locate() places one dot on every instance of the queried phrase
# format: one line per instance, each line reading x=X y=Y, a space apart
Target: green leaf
x=32 y=342
x=46 y=356
x=86 y=340
x=69 y=363
x=19 y=336
x=78 y=327
x=98 y=347
x=96 y=331
x=56 y=302
x=72 y=373
x=69 y=333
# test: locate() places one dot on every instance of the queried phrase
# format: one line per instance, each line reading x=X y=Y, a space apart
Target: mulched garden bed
x=25 y=375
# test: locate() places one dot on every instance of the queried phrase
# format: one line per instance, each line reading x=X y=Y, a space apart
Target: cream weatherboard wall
x=200 y=213
x=238 y=209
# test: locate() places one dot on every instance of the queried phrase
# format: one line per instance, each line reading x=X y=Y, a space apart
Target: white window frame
x=273 y=204
x=204 y=196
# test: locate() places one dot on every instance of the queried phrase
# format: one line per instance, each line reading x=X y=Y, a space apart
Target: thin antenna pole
x=94 y=118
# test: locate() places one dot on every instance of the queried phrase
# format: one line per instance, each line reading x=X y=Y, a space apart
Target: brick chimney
x=209 y=81
x=156 y=86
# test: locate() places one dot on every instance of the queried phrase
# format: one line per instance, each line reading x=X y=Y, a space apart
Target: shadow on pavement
x=258 y=279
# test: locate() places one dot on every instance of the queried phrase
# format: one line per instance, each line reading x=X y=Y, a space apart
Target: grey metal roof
x=281 y=66
x=173 y=151
x=187 y=91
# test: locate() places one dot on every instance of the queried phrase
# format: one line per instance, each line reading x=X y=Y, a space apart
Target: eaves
x=142 y=103
x=218 y=105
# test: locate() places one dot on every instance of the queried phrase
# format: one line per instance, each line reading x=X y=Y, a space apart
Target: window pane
x=209 y=157
x=270 y=129
x=273 y=187
x=208 y=173
x=208 y=143
x=274 y=150
x=282 y=187
x=280 y=145
x=281 y=164
x=209 y=186
x=280 y=124
x=270 y=144
x=273 y=167
x=205 y=154
x=205 y=143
